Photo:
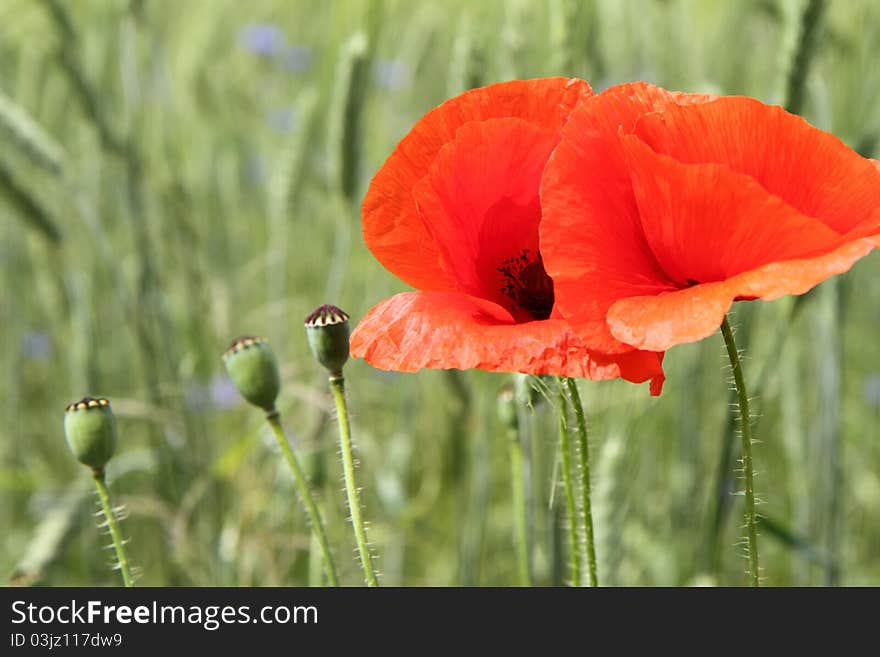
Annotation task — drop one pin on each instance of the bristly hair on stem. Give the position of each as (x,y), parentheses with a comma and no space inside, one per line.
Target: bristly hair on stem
(568,485)
(583,467)
(751,539)
(337,387)
(113,526)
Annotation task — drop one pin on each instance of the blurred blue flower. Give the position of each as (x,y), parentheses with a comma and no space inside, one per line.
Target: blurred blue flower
(224,394)
(220,393)
(36,345)
(391,74)
(254,170)
(871,390)
(281,119)
(262,39)
(297,59)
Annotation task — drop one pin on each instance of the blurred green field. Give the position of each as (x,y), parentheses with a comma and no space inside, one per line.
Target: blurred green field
(174,174)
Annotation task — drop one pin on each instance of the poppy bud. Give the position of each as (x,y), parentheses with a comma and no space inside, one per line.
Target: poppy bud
(507,407)
(252,367)
(90,429)
(327,331)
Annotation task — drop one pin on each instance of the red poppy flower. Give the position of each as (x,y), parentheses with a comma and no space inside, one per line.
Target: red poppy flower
(661,209)
(454,212)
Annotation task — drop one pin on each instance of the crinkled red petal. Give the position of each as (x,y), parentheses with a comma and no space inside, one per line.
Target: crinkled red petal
(660,321)
(415,330)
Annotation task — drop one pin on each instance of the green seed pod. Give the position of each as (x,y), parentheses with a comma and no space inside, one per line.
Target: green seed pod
(90,429)
(507,407)
(327,331)
(252,367)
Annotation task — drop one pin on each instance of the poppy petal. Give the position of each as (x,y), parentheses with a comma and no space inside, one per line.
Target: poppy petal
(480,200)
(591,237)
(869,228)
(392,227)
(780,150)
(705,222)
(415,330)
(661,321)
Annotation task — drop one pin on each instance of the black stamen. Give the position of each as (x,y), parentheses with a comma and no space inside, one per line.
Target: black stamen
(527,284)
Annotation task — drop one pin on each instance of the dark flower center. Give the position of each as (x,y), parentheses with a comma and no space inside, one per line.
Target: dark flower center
(527,284)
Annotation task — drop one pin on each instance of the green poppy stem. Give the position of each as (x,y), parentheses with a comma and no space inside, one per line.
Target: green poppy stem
(113,526)
(520,513)
(305,495)
(337,387)
(584,472)
(747,468)
(568,485)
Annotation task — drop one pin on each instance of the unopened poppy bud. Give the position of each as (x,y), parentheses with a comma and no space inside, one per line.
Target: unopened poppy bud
(90,429)
(327,331)
(507,407)
(254,371)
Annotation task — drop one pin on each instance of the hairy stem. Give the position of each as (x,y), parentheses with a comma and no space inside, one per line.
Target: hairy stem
(584,473)
(746,435)
(113,526)
(568,485)
(337,387)
(305,495)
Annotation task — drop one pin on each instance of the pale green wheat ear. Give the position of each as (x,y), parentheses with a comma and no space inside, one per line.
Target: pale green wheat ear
(327,331)
(90,429)
(252,366)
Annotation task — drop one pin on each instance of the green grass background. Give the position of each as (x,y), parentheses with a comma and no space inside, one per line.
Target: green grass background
(163,189)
